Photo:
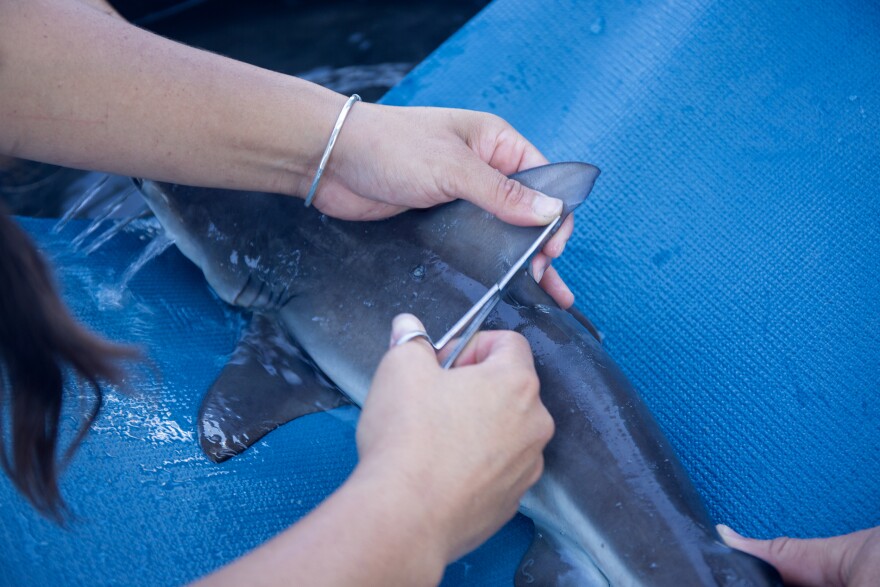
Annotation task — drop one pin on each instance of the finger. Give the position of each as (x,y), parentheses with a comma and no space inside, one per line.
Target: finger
(536,470)
(499,144)
(815,562)
(506,198)
(532,157)
(553,284)
(451,346)
(469,354)
(540,263)
(406,324)
(556,244)
(502,347)
(349,206)
(511,152)
(377,212)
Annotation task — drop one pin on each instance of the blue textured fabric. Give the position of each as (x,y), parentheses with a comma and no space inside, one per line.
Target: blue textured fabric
(730,250)
(729,253)
(151,508)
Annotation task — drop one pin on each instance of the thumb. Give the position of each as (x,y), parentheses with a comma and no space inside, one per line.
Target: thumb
(811,562)
(406,329)
(506,198)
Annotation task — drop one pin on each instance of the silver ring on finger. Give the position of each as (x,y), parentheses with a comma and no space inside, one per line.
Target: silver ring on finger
(413,335)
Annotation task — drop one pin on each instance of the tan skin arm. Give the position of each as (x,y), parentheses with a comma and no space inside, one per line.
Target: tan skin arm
(81,87)
(444,455)
(444,458)
(127,101)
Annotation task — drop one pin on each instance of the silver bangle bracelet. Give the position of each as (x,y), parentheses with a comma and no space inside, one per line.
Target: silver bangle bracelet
(336,128)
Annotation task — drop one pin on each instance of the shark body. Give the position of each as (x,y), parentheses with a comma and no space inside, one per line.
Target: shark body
(614,505)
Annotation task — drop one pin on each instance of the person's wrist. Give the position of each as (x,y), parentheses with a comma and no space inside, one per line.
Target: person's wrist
(410,510)
(298,140)
(360,141)
(328,150)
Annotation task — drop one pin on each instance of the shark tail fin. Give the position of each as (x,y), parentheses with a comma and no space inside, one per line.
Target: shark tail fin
(267,382)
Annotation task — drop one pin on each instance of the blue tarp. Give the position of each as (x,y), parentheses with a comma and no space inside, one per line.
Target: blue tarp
(729,253)
(731,249)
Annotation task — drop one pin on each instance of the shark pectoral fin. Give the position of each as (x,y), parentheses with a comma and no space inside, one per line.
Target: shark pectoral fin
(267,382)
(552,562)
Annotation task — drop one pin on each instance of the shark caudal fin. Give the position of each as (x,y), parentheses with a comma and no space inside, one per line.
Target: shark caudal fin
(267,382)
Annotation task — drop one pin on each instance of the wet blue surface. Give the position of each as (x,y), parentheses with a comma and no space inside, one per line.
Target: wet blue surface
(729,252)
(731,248)
(151,508)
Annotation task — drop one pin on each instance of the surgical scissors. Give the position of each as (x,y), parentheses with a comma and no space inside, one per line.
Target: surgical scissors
(468,325)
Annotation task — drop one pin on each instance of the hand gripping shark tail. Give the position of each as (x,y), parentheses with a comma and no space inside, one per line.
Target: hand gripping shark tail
(614,505)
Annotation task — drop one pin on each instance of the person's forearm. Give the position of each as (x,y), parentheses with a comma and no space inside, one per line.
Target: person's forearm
(370,532)
(81,88)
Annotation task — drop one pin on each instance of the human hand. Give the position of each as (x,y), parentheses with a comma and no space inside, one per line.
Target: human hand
(460,445)
(850,560)
(389,159)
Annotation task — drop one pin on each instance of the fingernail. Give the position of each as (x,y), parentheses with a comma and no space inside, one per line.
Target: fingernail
(727,533)
(404,324)
(539,266)
(546,207)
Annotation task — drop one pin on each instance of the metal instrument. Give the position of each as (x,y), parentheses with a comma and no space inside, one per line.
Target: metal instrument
(468,325)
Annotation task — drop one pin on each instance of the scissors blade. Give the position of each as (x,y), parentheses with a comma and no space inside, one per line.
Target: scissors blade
(471,330)
(468,325)
(533,248)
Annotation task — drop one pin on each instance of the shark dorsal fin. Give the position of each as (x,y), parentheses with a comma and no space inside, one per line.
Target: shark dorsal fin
(570,182)
(484,246)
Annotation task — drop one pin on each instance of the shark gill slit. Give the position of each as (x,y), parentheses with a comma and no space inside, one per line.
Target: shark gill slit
(243,289)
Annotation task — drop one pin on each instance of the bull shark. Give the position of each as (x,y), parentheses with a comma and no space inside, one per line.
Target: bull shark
(614,505)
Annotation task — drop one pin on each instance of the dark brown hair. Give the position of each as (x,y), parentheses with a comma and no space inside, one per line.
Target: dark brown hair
(41,349)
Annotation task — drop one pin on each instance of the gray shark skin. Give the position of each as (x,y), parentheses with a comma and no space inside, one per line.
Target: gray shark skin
(613,507)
